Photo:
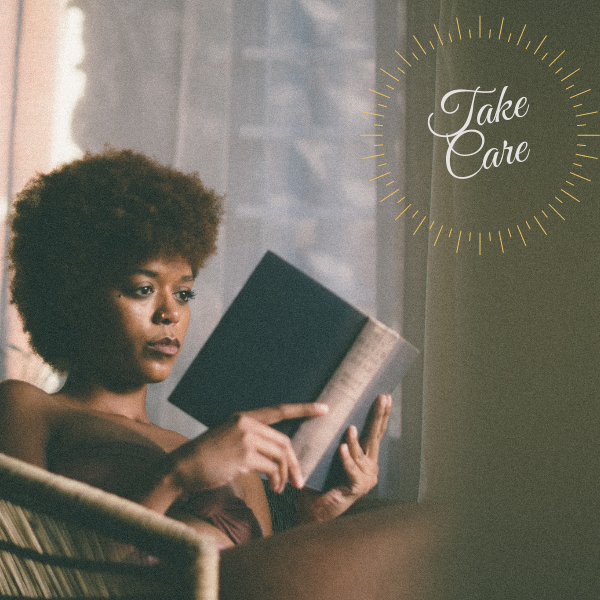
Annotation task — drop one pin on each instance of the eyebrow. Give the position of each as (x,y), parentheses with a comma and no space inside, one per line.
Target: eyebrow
(154,274)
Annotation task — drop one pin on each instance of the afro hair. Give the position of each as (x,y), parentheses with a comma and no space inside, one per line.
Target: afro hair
(78,227)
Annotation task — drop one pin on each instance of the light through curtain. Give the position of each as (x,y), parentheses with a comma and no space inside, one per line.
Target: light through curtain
(32,68)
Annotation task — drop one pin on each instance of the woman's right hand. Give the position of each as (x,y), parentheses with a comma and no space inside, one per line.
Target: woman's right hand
(244,443)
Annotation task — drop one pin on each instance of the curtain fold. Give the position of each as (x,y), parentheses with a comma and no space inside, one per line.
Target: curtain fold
(28,75)
(511,418)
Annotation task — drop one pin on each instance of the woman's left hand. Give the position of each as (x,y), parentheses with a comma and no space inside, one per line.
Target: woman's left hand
(360,460)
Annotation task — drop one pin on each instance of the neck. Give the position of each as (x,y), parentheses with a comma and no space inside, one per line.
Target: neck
(113,397)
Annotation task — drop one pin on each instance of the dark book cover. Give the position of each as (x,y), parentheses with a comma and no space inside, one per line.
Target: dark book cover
(279,342)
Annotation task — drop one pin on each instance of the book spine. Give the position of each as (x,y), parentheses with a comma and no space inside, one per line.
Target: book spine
(371,348)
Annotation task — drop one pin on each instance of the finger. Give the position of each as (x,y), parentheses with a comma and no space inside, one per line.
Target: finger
(281,412)
(256,437)
(294,470)
(354,447)
(279,447)
(386,406)
(276,447)
(353,471)
(248,422)
(258,451)
(278,456)
(388,409)
(378,425)
(265,465)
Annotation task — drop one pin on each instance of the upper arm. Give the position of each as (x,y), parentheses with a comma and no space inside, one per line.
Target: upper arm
(24,427)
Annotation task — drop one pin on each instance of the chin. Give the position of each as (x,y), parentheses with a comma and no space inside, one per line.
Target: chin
(158,374)
(139,375)
(156,378)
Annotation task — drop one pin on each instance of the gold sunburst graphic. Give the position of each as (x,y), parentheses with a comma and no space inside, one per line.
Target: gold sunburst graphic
(583,153)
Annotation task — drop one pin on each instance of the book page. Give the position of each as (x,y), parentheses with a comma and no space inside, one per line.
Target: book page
(363,361)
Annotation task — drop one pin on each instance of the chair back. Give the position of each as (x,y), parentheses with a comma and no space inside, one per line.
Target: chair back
(61,538)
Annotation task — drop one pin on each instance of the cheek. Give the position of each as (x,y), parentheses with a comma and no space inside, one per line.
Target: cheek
(127,325)
(136,318)
(184,323)
(134,332)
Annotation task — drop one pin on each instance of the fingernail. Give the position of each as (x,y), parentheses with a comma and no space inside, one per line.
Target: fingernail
(321,407)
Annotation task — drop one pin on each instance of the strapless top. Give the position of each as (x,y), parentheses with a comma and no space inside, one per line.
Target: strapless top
(112,464)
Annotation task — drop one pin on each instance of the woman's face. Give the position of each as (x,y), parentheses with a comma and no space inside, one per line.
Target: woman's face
(146,321)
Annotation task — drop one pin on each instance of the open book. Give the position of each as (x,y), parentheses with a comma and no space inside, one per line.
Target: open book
(286,338)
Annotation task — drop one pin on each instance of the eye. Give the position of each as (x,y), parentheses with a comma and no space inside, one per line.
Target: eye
(185,295)
(142,291)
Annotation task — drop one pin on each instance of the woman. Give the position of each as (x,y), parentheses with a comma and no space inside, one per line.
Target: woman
(104,252)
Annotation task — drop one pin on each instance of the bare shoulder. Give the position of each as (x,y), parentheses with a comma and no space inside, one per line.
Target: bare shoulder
(24,420)
(16,394)
(13,391)
(18,397)
(167,439)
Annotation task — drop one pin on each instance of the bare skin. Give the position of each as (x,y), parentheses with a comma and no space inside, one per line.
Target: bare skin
(397,552)
(144,322)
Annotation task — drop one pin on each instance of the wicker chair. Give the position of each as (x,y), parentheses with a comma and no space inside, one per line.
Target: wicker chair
(60,538)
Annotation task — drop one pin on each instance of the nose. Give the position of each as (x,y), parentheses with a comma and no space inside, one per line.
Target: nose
(167,312)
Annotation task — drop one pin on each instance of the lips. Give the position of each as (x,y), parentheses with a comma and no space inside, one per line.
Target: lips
(167,346)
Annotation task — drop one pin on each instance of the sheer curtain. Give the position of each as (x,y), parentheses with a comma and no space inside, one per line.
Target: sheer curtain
(511,416)
(29,73)
(267,101)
